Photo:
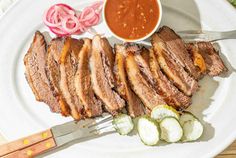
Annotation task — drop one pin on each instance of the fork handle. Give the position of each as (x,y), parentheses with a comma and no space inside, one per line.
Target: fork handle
(29,146)
(33,150)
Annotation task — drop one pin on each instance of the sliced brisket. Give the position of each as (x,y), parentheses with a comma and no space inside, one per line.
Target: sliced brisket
(108,59)
(152,73)
(53,72)
(135,106)
(77,77)
(178,51)
(168,91)
(92,105)
(35,63)
(68,68)
(102,76)
(139,84)
(173,70)
(214,64)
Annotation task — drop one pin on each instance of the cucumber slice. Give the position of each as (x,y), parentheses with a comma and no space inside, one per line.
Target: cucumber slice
(162,111)
(123,124)
(148,130)
(185,117)
(193,129)
(171,130)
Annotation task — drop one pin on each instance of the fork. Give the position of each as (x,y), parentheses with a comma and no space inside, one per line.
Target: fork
(198,35)
(55,137)
(210,36)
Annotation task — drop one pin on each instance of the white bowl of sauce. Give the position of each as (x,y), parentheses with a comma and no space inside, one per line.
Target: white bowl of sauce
(132,20)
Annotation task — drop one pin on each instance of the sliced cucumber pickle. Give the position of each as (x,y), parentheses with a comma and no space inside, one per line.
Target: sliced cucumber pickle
(171,130)
(193,128)
(162,111)
(148,130)
(123,124)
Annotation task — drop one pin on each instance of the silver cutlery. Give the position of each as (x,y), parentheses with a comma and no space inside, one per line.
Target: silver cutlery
(56,136)
(210,36)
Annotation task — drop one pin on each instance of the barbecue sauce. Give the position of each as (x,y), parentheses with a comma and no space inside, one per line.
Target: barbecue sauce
(131,19)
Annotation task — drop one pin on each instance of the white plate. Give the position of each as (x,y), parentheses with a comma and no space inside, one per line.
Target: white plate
(21,115)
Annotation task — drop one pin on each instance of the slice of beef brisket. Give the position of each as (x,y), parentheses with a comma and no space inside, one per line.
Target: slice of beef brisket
(68,68)
(173,70)
(152,73)
(92,105)
(53,72)
(138,82)
(102,76)
(178,51)
(135,106)
(168,91)
(214,64)
(35,63)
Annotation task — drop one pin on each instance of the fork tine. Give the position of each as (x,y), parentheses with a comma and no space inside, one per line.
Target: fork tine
(109,122)
(98,122)
(104,126)
(203,35)
(101,130)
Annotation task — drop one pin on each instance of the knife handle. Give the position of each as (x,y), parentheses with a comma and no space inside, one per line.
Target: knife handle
(29,146)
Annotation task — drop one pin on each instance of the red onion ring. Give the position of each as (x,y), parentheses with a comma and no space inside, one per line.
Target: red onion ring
(63,20)
(68,28)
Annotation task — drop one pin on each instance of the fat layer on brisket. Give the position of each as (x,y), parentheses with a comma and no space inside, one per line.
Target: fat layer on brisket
(214,64)
(92,105)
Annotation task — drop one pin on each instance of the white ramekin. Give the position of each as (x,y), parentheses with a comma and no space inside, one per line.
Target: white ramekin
(139,39)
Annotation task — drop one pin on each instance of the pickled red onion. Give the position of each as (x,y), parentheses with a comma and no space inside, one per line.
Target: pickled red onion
(58,31)
(63,20)
(97,6)
(53,16)
(69,28)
